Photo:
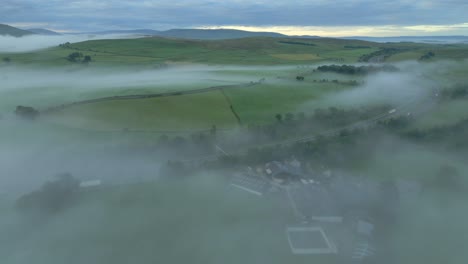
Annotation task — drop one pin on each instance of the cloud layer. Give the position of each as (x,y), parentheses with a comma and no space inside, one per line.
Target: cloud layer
(115,14)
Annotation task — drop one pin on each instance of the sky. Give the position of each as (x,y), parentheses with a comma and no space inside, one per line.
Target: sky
(293,17)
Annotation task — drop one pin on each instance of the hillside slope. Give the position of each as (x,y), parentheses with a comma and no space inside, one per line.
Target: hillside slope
(12,31)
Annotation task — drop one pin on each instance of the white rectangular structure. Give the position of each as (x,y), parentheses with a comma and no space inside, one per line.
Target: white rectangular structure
(93,183)
(309,240)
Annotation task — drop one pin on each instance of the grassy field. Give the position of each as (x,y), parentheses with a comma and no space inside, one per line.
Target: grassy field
(169,113)
(253,104)
(260,104)
(281,93)
(153,51)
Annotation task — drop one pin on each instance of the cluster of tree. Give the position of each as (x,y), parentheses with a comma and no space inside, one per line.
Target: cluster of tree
(450,136)
(381,54)
(350,69)
(196,143)
(455,92)
(6,59)
(396,123)
(350,82)
(297,43)
(79,57)
(65,45)
(344,150)
(298,124)
(427,56)
(26,112)
(356,47)
(52,197)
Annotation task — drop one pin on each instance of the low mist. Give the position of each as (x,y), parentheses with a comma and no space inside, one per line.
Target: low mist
(139,214)
(36,42)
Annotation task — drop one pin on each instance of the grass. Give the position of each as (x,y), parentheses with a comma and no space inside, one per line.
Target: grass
(298,57)
(197,111)
(152,51)
(255,104)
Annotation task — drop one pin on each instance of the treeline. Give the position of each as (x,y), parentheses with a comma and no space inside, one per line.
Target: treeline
(297,43)
(350,69)
(427,56)
(356,47)
(381,54)
(451,136)
(79,57)
(196,143)
(456,92)
(281,127)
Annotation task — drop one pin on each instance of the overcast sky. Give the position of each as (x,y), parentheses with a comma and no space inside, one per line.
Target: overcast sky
(313,17)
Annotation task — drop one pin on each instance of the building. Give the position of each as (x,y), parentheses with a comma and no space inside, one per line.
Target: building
(309,240)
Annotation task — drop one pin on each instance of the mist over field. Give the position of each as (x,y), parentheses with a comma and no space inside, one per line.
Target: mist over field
(412,82)
(37,42)
(233,132)
(140,214)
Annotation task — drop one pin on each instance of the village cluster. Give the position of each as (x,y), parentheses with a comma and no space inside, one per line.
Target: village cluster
(336,213)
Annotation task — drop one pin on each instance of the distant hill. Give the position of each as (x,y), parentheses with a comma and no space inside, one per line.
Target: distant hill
(417,39)
(12,31)
(132,32)
(42,31)
(207,34)
(201,34)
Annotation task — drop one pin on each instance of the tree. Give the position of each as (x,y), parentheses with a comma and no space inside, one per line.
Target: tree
(52,197)
(6,59)
(87,59)
(279,117)
(26,112)
(75,56)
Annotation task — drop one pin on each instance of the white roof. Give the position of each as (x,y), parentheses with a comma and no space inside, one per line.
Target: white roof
(91,183)
(309,240)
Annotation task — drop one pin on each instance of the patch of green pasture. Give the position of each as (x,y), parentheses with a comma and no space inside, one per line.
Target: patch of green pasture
(247,51)
(196,111)
(51,96)
(260,104)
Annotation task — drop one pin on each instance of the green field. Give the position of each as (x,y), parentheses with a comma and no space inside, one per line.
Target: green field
(153,51)
(253,104)
(260,104)
(197,111)
(277,60)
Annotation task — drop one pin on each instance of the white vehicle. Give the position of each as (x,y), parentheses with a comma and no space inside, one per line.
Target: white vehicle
(392,111)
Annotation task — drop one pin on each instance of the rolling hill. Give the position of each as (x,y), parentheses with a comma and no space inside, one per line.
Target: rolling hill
(215,34)
(151,51)
(12,31)
(200,34)
(42,31)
